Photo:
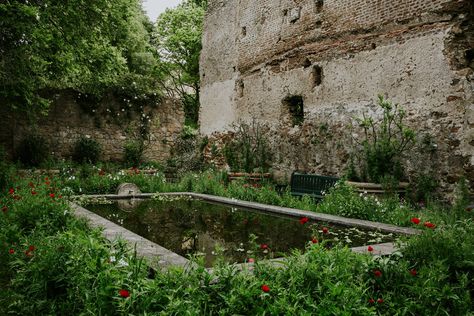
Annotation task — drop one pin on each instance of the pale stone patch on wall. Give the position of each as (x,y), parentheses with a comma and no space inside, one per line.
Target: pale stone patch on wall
(219,113)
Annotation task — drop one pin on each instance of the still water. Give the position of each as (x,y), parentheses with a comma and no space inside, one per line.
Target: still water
(194,227)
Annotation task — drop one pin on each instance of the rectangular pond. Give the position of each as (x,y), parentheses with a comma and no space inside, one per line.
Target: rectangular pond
(189,226)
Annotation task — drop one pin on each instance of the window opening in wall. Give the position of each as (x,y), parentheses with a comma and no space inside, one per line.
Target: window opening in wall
(319,5)
(470,55)
(240,88)
(295,108)
(317,75)
(306,63)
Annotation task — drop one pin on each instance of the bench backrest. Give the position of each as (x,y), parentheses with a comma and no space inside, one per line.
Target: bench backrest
(311,184)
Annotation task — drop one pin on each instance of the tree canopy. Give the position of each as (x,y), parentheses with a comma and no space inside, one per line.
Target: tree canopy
(177,38)
(89,46)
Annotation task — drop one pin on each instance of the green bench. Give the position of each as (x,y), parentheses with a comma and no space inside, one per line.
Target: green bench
(312,185)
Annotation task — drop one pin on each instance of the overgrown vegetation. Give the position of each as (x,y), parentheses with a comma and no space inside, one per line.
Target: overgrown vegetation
(249,149)
(52,263)
(382,146)
(33,150)
(86,150)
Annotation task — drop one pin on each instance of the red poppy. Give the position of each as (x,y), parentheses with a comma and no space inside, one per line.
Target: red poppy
(11,251)
(377,273)
(4,209)
(370,249)
(429,225)
(325,230)
(413,272)
(304,220)
(380,300)
(31,185)
(11,191)
(251,260)
(371,301)
(33,192)
(46,179)
(47,183)
(415,220)
(314,241)
(265,288)
(31,248)
(264,246)
(52,195)
(124,293)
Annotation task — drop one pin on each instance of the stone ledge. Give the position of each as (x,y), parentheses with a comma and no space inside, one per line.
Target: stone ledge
(158,257)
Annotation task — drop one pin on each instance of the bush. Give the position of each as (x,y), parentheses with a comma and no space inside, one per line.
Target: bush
(86,150)
(249,150)
(5,170)
(384,143)
(33,150)
(133,153)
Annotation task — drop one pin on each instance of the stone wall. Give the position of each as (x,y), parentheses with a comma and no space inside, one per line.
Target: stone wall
(112,124)
(338,55)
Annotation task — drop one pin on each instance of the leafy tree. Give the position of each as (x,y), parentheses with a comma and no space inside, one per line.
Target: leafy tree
(90,46)
(177,39)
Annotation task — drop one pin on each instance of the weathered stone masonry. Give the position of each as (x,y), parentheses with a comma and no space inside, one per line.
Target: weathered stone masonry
(112,125)
(338,55)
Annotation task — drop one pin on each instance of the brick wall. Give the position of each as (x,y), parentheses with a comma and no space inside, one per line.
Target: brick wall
(414,51)
(67,122)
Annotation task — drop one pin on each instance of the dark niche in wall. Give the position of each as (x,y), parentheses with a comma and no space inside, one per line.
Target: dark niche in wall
(319,5)
(317,75)
(293,110)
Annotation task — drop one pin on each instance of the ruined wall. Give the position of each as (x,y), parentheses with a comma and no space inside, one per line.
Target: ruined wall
(112,124)
(338,55)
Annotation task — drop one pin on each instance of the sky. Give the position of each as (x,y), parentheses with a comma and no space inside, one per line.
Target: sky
(153,8)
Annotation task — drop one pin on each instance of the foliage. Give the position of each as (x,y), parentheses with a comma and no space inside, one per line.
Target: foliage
(52,263)
(88,46)
(133,152)
(249,149)
(177,38)
(86,150)
(384,143)
(5,170)
(33,150)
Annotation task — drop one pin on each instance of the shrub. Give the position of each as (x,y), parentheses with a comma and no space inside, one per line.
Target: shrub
(249,149)
(86,150)
(32,150)
(384,143)
(5,170)
(133,153)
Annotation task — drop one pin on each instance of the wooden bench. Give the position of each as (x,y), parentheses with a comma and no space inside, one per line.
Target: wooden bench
(312,185)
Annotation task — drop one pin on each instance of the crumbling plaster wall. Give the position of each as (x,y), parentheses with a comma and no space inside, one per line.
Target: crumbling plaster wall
(418,53)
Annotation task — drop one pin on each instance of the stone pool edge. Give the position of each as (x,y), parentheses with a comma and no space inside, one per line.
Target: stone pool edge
(156,255)
(161,257)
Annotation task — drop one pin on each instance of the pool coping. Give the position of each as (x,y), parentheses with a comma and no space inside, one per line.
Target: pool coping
(160,257)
